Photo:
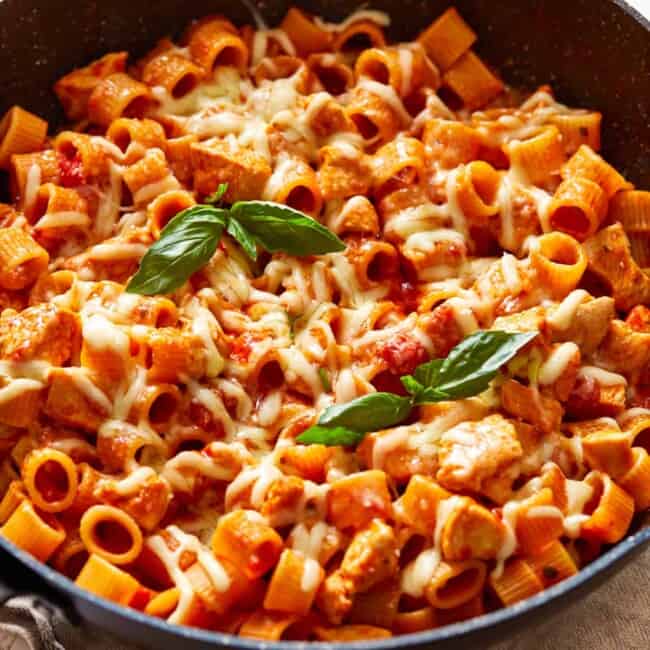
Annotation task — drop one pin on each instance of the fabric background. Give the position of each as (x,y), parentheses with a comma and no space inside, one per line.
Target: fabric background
(615,616)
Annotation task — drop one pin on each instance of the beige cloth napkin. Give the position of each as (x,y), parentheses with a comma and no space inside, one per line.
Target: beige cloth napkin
(615,616)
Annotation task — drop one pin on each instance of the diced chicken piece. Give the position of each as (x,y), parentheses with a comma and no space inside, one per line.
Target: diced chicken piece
(589,324)
(527,403)
(471,531)
(44,332)
(370,558)
(472,454)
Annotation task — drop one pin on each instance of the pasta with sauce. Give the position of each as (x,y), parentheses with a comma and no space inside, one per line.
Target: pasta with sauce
(150,442)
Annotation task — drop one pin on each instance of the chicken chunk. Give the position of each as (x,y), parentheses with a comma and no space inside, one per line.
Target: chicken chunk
(471,454)
(43,332)
(370,559)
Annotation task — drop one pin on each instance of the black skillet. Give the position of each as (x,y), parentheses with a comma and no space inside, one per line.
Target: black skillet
(595,53)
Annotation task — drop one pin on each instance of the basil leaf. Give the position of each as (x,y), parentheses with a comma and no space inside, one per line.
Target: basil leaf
(427,373)
(331,437)
(368,413)
(475,361)
(325,379)
(279,228)
(215,197)
(187,242)
(245,239)
(412,385)
(430,396)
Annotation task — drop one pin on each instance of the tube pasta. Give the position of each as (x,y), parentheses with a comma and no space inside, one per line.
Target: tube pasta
(373,118)
(294,584)
(306,36)
(247,542)
(210,46)
(102,578)
(50,478)
(176,74)
(477,185)
(636,481)
(559,261)
(299,187)
(134,137)
(447,38)
(20,132)
(33,532)
(75,88)
(118,95)
(110,534)
(472,81)
(586,163)
(552,564)
(610,510)
(578,208)
(577,129)
(516,582)
(540,157)
(455,583)
(21,258)
(358,31)
(13,497)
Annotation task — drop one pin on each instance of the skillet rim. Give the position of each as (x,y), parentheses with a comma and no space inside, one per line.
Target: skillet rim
(455,631)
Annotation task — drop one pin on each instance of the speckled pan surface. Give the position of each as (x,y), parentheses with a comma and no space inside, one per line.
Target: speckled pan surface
(595,53)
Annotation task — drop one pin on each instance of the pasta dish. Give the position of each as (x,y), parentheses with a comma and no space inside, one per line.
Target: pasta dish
(309,335)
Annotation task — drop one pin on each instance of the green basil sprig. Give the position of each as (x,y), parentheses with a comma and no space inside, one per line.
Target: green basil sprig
(468,370)
(190,239)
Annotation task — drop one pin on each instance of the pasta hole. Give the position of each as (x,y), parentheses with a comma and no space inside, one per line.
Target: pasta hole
(270,377)
(365,126)
(40,205)
(168,210)
(67,150)
(137,107)
(126,198)
(378,71)
(229,55)
(642,439)
(51,481)
(162,408)
(122,139)
(416,102)
(411,549)
(382,267)
(593,502)
(571,220)
(334,81)
(263,556)
(165,318)
(565,254)
(190,444)
(460,583)
(358,41)
(148,357)
(301,198)
(450,98)
(112,536)
(186,84)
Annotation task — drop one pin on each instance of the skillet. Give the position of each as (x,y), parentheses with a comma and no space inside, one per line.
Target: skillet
(595,53)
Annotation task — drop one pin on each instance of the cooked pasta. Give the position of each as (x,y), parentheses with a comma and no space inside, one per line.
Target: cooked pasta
(180,436)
